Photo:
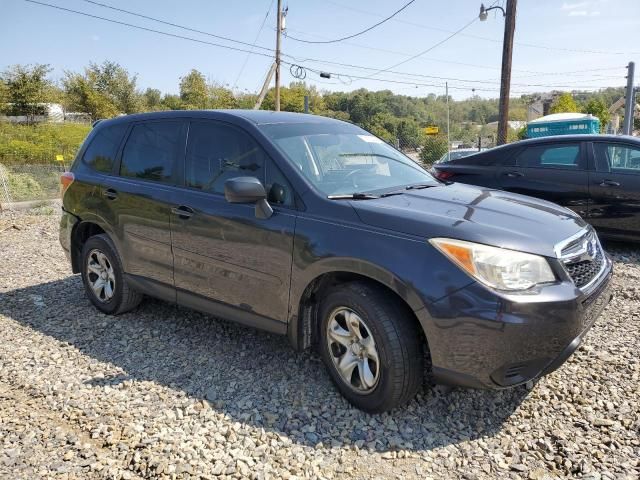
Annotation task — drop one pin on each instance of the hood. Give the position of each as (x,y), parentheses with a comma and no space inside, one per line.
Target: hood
(475,214)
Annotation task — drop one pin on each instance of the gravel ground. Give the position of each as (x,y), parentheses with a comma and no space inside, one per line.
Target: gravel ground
(164,392)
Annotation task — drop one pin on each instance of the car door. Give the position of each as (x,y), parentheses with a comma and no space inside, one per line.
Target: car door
(223,252)
(554,171)
(137,200)
(615,189)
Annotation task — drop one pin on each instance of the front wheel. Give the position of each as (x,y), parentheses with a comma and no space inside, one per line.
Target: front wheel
(371,346)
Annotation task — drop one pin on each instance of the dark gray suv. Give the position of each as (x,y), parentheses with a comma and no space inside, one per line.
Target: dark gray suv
(315,229)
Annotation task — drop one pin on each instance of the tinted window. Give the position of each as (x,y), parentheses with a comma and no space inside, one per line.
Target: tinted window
(151,151)
(103,148)
(218,152)
(617,158)
(566,155)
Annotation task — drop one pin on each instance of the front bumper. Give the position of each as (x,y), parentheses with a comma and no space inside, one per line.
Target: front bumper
(483,339)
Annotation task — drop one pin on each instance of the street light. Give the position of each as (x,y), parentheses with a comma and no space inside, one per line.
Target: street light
(484,12)
(507,51)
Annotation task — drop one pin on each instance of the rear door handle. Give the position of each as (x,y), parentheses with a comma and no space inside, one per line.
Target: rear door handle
(514,174)
(183,211)
(609,183)
(110,193)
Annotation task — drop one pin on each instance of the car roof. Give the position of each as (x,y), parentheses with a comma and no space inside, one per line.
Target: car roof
(257,117)
(563,138)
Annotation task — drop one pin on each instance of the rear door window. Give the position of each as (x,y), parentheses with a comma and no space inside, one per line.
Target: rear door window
(152,151)
(562,156)
(617,158)
(102,151)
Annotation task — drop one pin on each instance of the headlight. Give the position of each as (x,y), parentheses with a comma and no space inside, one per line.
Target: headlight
(498,268)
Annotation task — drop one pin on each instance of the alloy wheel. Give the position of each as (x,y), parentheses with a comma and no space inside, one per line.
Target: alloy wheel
(353,350)
(100,275)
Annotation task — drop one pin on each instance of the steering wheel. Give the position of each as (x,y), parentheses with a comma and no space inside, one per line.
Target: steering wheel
(353,173)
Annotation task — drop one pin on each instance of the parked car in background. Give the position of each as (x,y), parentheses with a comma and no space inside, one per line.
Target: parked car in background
(313,228)
(597,176)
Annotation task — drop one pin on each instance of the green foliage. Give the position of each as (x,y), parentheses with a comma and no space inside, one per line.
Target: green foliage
(25,87)
(598,108)
(434,147)
(152,99)
(522,133)
(103,91)
(194,91)
(40,143)
(171,102)
(564,103)
(220,97)
(23,186)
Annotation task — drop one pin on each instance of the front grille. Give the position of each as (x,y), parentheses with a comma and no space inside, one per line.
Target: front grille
(583,272)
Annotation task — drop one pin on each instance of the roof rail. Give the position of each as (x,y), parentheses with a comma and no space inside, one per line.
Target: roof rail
(93,125)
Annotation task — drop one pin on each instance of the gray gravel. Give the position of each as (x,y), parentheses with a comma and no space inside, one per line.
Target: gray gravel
(164,392)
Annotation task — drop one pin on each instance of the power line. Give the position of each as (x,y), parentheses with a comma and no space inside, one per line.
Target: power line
(228,47)
(478,37)
(355,34)
(167,34)
(408,74)
(486,67)
(244,64)
(110,7)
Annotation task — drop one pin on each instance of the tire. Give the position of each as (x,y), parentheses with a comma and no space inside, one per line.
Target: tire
(397,375)
(115,296)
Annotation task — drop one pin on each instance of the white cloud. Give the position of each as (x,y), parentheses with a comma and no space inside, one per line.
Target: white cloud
(582,9)
(573,6)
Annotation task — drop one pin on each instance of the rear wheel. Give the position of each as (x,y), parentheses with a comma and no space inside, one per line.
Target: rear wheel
(371,346)
(103,277)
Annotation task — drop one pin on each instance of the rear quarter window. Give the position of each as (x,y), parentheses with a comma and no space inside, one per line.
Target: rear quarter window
(101,152)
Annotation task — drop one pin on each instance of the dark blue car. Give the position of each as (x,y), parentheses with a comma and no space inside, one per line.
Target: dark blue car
(315,229)
(597,176)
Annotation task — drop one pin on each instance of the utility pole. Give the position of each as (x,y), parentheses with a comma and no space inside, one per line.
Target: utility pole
(446,92)
(278,35)
(505,82)
(630,101)
(265,86)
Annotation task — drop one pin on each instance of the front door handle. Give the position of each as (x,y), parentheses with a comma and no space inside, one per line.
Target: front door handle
(183,212)
(609,183)
(110,193)
(514,174)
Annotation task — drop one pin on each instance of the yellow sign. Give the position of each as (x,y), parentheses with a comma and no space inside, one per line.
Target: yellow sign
(433,130)
(59,158)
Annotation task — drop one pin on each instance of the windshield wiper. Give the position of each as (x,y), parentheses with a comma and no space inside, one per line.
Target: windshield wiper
(419,186)
(353,196)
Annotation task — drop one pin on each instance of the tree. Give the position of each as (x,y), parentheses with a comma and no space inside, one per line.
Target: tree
(152,99)
(564,103)
(172,102)
(103,91)
(598,108)
(82,96)
(194,91)
(26,88)
(434,147)
(221,97)
(114,82)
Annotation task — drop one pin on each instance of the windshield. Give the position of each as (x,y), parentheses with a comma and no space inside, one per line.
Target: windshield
(341,159)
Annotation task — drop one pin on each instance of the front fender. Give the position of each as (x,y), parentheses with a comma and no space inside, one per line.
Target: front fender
(407,265)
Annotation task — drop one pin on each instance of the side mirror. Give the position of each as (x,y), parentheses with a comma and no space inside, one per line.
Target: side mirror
(248,190)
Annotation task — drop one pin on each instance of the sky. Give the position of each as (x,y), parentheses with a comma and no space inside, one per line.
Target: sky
(559,45)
